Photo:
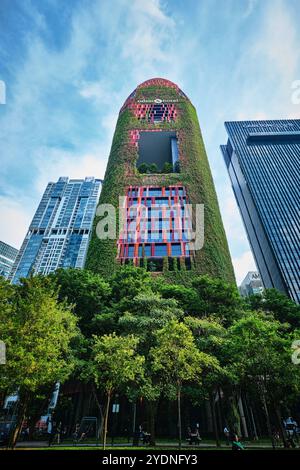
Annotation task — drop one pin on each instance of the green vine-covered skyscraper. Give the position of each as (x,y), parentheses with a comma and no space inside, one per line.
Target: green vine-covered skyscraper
(159,166)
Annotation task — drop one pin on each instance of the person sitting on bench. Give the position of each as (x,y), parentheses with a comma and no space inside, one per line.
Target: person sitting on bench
(193,436)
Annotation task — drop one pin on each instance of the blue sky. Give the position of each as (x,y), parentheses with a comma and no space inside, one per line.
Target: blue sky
(68,66)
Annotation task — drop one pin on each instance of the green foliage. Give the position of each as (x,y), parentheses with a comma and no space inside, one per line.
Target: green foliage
(214,258)
(143,168)
(273,301)
(86,291)
(214,296)
(176,356)
(186,297)
(38,332)
(258,354)
(149,313)
(115,361)
(153,168)
(151,267)
(127,283)
(176,359)
(167,168)
(115,365)
(152,337)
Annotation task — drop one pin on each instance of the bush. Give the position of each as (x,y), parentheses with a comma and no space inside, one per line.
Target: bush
(153,168)
(168,168)
(143,168)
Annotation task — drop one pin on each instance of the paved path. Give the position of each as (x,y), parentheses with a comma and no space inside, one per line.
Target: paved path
(39,444)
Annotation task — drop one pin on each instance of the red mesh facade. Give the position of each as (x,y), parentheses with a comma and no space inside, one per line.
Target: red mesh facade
(153,82)
(157,224)
(160,82)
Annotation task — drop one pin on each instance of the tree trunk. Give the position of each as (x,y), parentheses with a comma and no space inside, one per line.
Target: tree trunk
(281,429)
(106,419)
(20,420)
(153,409)
(35,416)
(242,416)
(267,418)
(100,429)
(215,425)
(179,415)
(255,434)
(220,410)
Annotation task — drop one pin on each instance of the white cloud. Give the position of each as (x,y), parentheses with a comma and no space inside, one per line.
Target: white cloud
(250,7)
(92,90)
(232,221)
(54,163)
(242,265)
(148,40)
(278,41)
(15,216)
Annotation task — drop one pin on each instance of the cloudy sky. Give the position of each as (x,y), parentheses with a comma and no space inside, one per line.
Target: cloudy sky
(69,65)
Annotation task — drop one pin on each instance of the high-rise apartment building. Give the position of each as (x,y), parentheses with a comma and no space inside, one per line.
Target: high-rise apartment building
(8,255)
(158,165)
(263,161)
(60,230)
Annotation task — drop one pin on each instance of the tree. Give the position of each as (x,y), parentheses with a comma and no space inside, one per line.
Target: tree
(38,332)
(126,284)
(217,297)
(143,168)
(153,168)
(258,350)
(186,297)
(6,311)
(88,292)
(167,168)
(149,313)
(210,336)
(115,364)
(177,360)
(277,303)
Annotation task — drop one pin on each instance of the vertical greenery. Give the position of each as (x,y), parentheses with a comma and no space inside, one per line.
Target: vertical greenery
(214,258)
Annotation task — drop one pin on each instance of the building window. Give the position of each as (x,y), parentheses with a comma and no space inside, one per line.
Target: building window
(161,250)
(176,249)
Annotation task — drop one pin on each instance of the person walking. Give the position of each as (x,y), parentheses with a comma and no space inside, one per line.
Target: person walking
(227,435)
(51,433)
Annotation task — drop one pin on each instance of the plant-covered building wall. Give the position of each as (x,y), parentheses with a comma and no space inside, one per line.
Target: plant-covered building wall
(158,161)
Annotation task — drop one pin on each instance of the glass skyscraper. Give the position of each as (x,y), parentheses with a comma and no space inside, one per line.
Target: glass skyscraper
(263,161)
(59,233)
(251,285)
(8,255)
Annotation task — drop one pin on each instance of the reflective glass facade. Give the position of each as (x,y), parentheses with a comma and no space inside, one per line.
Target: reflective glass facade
(263,161)
(251,285)
(8,255)
(59,233)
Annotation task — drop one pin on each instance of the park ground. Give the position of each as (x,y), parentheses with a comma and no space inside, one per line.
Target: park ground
(161,444)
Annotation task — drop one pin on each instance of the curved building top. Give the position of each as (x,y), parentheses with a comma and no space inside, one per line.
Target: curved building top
(157,84)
